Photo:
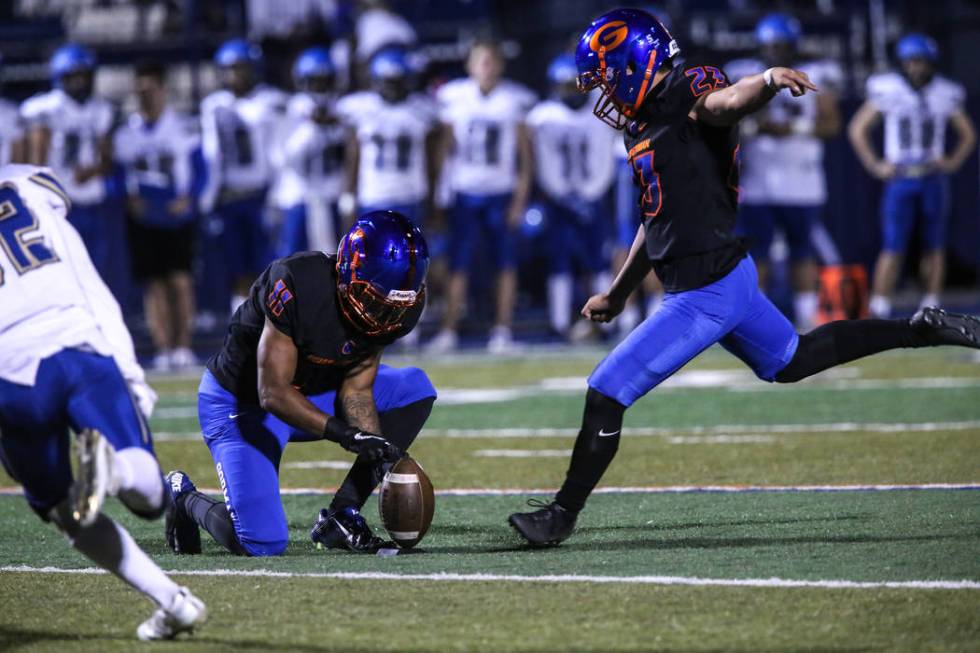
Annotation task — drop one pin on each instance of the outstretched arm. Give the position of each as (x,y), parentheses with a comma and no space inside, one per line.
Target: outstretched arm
(728,105)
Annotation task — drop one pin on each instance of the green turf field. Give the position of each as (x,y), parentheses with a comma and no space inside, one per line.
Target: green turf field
(813,568)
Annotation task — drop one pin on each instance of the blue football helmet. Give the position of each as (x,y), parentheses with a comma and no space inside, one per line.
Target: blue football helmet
(777,28)
(70,58)
(917,46)
(238,51)
(381,268)
(620,53)
(313,62)
(389,63)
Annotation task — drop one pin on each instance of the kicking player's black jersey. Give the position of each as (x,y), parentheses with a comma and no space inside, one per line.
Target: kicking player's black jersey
(298,294)
(687,172)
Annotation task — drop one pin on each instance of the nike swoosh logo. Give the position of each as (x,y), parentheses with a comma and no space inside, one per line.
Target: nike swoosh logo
(233,415)
(603,434)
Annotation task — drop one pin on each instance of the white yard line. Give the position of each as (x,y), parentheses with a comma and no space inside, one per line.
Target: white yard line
(570,578)
(522,453)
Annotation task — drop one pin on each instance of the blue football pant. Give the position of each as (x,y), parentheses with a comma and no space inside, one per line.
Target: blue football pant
(758,222)
(73,390)
(481,221)
(903,200)
(246,444)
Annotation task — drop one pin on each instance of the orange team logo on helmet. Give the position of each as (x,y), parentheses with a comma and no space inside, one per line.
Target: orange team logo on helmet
(610,36)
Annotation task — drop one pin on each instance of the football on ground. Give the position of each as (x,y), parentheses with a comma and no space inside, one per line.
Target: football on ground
(406,502)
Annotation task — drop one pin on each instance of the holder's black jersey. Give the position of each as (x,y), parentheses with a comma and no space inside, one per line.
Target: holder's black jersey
(687,172)
(298,294)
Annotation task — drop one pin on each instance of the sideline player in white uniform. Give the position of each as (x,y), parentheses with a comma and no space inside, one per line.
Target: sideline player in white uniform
(67,362)
(239,125)
(916,104)
(12,144)
(782,180)
(155,146)
(490,172)
(311,157)
(69,129)
(575,165)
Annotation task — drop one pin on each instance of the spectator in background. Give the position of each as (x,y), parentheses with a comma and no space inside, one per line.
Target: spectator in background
(916,104)
(392,152)
(782,177)
(490,172)
(155,146)
(312,158)
(69,129)
(239,125)
(575,161)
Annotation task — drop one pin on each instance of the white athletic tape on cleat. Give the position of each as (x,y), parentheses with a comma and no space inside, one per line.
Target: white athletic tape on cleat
(403,535)
(401,478)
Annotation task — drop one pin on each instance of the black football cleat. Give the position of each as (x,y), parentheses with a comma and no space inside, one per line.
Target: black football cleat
(346,529)
(549,526)
(182,533)
(943,328)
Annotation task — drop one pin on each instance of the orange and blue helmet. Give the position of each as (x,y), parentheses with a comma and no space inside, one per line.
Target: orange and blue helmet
(917,46)
(381,268)
(620,53)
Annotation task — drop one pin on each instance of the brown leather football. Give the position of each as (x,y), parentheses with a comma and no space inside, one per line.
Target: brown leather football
(406,502)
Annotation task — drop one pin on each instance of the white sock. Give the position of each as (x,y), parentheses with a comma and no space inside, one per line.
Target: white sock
(236,301)
(880,306)
(805,307)
(108,545)
(560,301)
(931,299)
(136,475)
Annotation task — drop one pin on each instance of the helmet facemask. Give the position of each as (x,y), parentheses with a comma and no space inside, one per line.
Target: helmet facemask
(373,313)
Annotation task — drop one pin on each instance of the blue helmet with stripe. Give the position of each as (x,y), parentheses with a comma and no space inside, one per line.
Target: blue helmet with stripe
(70,58)
(238,51)
(917,46)
(620,53)
(381,266)
(389,63)
(777,28)
(314,62)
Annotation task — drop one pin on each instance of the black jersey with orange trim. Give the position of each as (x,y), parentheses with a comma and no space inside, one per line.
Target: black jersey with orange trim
(298,294)
(687,172)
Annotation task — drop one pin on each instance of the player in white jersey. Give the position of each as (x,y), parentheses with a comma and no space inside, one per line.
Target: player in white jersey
(311,156)
(155,146)
(67,364)
(239,127)
(782,182)
(490,173)
(575,166)
(391,166)
(916,104)
(69,129)
(11,134)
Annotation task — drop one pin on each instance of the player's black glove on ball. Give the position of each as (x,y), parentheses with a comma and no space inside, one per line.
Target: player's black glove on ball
(372,447)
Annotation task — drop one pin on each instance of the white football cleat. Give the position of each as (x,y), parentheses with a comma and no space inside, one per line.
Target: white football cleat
(501,341)
(444,342)
(94,478)
(185,613)
(182,358)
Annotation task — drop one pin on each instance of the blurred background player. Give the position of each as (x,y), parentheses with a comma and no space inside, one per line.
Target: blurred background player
(239,125)
(312,158)
(490,172)
(302,363)
(67,364)
(69,129)
(12,143)
(155,145)
(916,104)
(575,168)
(782,176)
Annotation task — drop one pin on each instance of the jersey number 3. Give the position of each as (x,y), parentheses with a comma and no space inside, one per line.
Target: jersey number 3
(17,224)
(649,182)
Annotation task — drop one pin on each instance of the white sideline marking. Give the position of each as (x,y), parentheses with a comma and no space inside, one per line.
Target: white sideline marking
(655,431)
(722,439)
(319,464)
(515,578)
(522,453)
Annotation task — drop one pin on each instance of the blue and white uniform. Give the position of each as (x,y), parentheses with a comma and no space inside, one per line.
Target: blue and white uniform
(66,358)
(392,171)
(483,170)
(11,129)
(311,156)
(782,181)
(915,138)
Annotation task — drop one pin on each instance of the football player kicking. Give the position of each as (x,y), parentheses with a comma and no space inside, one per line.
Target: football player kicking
(680,119)
(301,362)
(67,363)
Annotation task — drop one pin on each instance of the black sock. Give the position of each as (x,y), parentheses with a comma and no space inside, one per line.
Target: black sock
(400,426)
(212,516)
(595,448)
(846,340)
